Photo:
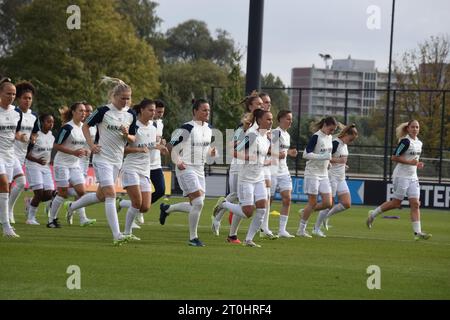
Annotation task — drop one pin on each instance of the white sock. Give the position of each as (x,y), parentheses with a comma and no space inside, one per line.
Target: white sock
(4,217)
(82,213)
(283,223)
(111,215)
(71,192)
(32,212)
(194,217)
(336,209)
(235,208)
(265,224)
(256,223)
(235,222)
(84,201)
(322,216)
(181,207)
(376,212)
(15,193)
(302,226)
(57,202)
(232,197)
(417,227)
(131,215)
(125,204)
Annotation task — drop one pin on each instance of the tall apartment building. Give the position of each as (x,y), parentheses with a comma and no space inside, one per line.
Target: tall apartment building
(354,75)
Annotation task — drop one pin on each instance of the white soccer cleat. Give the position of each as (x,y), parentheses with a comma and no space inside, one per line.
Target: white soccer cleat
(140,218)
(218,206)
(250,243)
(215,227)
(9,233)
(285,234)
(135,226)
(300,212)
(132,237)
(267,235)
(422,236)
(318,233)
(370,220)
(87,222)
(32,222)
(303,234)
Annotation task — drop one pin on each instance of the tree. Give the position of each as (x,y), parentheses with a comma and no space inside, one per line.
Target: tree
(279,97)
(8,23)
(191,40)
(66,65)
(425,68)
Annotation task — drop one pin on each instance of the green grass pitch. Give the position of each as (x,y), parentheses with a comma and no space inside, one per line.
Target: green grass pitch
(163,266)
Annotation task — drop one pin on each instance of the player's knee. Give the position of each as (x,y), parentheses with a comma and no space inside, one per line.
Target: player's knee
(346,205)
(198,203)
(20,182)
(248,211)
(144,208)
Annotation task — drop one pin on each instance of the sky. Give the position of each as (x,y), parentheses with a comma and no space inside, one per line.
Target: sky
(296,31)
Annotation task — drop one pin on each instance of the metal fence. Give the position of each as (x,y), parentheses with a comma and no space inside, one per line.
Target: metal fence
(370,156)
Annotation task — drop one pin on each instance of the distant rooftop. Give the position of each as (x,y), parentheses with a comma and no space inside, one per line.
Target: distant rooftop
(350,64)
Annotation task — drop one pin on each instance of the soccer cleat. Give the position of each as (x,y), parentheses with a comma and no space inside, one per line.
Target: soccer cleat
(32,222)
(267,235)
(422,236)
(121,240)
(215,226)
(370,220)
(140,218)
(196,243)
(233,240)
(303,234)
(69,212)
(54,224)
(135,226)
(163,213)
(285,234)
(250,243)
(11,218)
(218,206)
(325,224)
(88,222)
(118,207)
(9,233)
(318,233)
(132,237)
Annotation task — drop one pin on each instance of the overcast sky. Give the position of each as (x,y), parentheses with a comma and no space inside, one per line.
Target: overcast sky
(296,31)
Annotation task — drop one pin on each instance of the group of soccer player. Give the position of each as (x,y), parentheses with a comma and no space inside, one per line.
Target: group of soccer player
(128,140)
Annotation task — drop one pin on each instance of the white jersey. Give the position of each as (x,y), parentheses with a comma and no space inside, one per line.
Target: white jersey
(140,162)
(411,149)
(42,148)
(340,150)
(155,154)
(192,142)
(254,144)
(29,125)
(10,123)
(93,134)
(109,120)
(70,136)
(318,153)
(281,139)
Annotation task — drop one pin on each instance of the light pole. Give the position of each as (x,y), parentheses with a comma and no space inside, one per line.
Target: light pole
(325,57)
(388,98)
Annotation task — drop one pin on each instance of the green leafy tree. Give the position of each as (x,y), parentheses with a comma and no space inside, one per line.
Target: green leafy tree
(66,65)
(8,23)
(279,97)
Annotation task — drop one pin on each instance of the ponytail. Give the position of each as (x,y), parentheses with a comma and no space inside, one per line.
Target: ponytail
(328,121)
(348,130)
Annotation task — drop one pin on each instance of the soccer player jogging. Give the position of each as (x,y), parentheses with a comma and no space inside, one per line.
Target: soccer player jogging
(281,179)
(191,149)
(252,190)
(318,154)
(70,146)
(252,102)
(406,182)
(336,174)
(136,166)
(29,128)
(10,122)
(116,126)
(39,174)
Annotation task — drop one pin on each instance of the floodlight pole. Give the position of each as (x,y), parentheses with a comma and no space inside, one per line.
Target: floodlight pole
(254,46)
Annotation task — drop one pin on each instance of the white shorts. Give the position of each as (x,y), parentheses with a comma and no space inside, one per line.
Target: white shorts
(338,186)
(233,182)
(18,168)
(250,193)
(406,187)
(314,186)
(281,183)
(267,173)
(40,178)
(135,179)
(6,170)
(84,166)
(106,173)
(65,176)
(190,182)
